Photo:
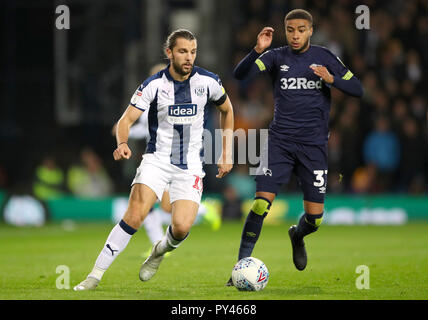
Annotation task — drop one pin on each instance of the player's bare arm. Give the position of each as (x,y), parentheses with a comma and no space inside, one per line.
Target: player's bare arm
(264,39)
(124,124)
(225,162)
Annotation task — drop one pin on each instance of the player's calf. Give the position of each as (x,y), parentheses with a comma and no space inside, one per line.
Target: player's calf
(160,248)
(253,226)
(308,224)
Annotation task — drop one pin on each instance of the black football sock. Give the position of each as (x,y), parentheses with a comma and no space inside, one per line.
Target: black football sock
(308,223)
(250,234)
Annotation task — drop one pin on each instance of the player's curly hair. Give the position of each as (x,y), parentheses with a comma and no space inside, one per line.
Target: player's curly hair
(299,14)
(179,33)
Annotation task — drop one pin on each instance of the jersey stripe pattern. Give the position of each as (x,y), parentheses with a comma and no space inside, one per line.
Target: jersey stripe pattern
(177,115)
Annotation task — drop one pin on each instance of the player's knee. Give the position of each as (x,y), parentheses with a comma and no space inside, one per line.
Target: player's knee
(261,206)
(314,220)
(136,212)
(180,229)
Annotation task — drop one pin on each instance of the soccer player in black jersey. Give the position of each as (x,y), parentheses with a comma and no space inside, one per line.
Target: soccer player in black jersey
(302,75)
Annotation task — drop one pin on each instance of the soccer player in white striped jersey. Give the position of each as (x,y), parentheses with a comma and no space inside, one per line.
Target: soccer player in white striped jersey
(176,99)
(157,217)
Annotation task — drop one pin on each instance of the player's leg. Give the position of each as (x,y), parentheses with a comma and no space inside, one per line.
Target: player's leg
(274,170)
(311,220)
(154,221)
(183,215)
(254,222)
(308,223)
(141,200)
(153,226)
(166,201)
(206,212)
(185,193)
(312,174)
(253,225)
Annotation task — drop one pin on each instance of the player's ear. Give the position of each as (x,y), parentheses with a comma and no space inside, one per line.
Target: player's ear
(168,53)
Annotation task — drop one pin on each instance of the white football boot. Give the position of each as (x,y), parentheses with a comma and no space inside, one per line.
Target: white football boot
(88,284)
(151,265)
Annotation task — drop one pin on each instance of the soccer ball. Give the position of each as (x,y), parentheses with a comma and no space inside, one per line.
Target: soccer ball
(250,274)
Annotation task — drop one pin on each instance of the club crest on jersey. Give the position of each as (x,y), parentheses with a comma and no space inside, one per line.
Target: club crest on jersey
(200,91)
(182,113)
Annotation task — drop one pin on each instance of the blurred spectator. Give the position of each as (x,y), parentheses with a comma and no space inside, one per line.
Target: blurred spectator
(414,69)
(49,182)
(413,157)
(363,180)
(382,149)
(89,178)
(399,112)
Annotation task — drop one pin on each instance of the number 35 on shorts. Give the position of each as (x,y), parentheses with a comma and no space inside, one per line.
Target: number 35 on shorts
(320,180)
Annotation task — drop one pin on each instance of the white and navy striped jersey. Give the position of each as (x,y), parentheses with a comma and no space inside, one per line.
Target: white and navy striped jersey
(177,114)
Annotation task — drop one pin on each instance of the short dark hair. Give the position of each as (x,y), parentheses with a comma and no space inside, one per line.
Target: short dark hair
(180,33)
(299,14)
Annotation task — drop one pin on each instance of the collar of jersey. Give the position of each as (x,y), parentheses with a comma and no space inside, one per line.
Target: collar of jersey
(169,77)
(301,54)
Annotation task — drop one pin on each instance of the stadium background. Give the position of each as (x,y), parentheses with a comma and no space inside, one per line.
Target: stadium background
(62,91)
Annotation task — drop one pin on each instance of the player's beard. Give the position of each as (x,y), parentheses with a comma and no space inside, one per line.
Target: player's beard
(179,69)
(305,46)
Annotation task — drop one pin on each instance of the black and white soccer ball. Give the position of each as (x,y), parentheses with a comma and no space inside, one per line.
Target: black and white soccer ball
(250,274)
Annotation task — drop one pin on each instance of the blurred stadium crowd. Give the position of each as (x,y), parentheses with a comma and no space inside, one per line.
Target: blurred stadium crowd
(377,144)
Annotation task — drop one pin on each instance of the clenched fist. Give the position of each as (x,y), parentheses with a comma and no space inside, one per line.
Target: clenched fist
(122,152)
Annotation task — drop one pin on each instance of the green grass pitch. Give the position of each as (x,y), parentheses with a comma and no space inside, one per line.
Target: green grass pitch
(397,258)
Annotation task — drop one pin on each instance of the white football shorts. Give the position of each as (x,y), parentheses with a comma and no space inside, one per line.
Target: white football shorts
(160,176)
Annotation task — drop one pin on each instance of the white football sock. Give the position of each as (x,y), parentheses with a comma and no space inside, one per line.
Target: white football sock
(116,242)
(153,225)
(168,242)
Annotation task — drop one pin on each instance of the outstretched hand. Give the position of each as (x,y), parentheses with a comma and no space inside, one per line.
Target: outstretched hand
(264,39)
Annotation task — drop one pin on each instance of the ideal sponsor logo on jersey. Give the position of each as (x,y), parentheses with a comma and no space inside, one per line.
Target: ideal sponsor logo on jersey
(182,110)
(182,113)
(300,83)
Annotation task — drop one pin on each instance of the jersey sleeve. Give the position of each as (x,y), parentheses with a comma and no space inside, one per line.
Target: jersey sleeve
(337,67)
(266,61)
(142,97)
(217,94)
